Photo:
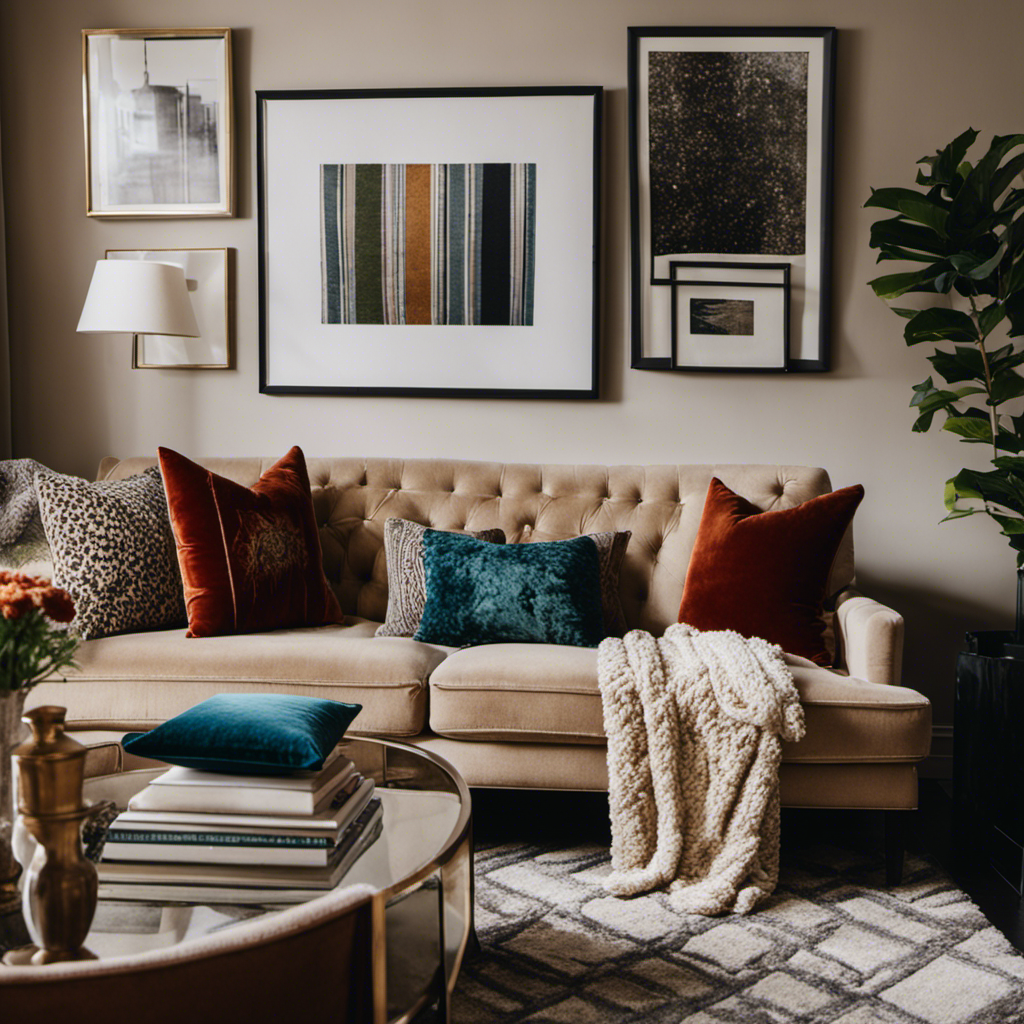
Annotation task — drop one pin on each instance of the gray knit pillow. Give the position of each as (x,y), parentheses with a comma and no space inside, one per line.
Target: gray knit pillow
(407,581)
(113,551)
(611,547)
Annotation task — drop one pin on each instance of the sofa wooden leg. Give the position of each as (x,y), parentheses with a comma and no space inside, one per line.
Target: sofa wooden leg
(895,844)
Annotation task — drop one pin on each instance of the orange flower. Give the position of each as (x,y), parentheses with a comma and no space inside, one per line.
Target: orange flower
(20,593)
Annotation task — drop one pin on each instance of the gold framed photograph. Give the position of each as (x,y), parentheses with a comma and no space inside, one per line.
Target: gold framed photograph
(208,277)
(159,134)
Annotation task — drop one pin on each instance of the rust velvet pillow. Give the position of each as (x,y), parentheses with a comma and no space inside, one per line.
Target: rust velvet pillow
(766,574)
(250,557)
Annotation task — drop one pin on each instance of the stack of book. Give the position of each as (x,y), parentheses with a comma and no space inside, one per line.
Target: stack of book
(198,836)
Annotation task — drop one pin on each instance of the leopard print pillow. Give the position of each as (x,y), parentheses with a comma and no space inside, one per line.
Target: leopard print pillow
(113,551)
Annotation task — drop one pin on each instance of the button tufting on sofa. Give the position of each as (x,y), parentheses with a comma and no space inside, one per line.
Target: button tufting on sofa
(520,715)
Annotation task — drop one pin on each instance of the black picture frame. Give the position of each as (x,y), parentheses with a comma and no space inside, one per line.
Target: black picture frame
(729,283)
(703,236)
(548,364)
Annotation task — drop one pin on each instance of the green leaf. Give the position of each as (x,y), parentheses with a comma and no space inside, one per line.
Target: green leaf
(1014,306)
(977,196)
(940,324)
(963,363)
(892,286)
(890,198)
(907,314)
(944,164)
(986,172)
(926,387)
(969,428)
(900,232)
(927,213)
(888,251)
(1008,384)
(960,486)
(977,267)
(1003,179)
(982,270)
(998,487)
(929,400)
(1004,358)
(1013,281)
(1014,235)
(1008,441)
(1011,525)
(990,318)
(960,513)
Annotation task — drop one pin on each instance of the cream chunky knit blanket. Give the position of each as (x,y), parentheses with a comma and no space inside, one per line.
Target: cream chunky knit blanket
(695,723)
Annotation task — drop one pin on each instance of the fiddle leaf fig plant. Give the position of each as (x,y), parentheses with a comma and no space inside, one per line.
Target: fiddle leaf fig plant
(964,233)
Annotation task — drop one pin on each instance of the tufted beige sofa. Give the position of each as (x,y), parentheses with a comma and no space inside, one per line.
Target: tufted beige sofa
(518,715)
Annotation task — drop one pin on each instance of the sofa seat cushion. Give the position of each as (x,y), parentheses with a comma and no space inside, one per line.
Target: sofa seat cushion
(539,693)
(138,680)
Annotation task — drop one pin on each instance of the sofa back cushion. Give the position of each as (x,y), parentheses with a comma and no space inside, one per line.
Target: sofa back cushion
(661,505)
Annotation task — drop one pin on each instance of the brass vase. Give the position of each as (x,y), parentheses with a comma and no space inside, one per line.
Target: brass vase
(12,706)
(59,891)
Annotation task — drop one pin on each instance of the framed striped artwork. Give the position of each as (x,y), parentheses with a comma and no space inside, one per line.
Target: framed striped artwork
(429,242)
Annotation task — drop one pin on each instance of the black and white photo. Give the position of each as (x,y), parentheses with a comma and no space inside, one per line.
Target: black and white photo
(721,316)
(158,112)
(729,316)
(730,161)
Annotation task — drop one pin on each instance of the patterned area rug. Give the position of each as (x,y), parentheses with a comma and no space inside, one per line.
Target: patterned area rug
(832,946)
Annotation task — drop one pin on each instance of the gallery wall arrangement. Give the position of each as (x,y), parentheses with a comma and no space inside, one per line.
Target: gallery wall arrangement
(730,161)
(445,242)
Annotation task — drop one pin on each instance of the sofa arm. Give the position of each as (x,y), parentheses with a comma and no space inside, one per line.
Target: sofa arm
(870,638)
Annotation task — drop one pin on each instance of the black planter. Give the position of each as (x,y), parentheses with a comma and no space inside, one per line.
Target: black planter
(988,753)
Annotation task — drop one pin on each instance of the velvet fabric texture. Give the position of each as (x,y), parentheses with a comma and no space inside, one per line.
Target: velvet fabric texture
(479,593)
(765,574)
(250,557)
(249,734)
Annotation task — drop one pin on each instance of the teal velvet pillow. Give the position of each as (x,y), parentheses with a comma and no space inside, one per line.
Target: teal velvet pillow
(479,593)
(249,734)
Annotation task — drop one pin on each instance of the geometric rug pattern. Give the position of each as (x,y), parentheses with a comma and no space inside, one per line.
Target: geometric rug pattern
(831,946)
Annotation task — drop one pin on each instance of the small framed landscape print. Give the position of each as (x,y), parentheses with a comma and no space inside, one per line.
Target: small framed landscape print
(429,242)
(730,161)
(208,279)
(730,316)
(158,122)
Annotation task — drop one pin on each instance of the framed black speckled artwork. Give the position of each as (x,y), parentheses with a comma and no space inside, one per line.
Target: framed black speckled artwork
(730,161)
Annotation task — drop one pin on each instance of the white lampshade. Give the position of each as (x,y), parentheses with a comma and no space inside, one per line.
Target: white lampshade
(138,297)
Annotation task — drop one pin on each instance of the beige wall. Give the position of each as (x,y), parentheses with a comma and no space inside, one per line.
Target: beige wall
(911,75)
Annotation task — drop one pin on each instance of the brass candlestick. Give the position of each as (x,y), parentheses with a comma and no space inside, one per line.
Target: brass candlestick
(59,895)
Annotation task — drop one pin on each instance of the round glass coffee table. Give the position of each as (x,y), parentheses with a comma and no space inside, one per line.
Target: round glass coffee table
(421,866)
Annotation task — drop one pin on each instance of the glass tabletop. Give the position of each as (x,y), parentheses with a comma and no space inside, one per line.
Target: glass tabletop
(420,865)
